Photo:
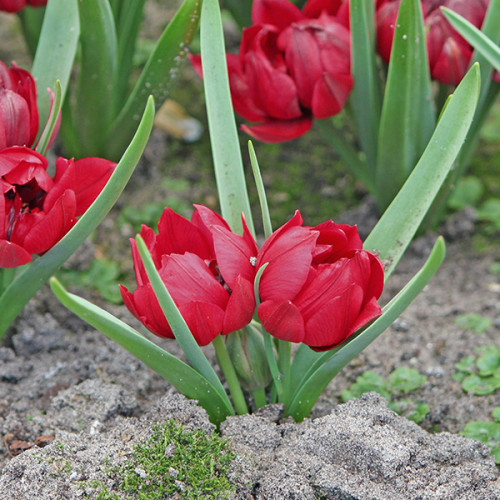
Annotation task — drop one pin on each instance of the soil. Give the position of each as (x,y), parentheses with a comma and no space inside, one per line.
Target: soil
(64,384)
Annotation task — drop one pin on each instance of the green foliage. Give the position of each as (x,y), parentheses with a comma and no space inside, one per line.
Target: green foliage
(489,211)
(174,461)
(467,193)
(480,375)
(487,432)
(495,268)
(102,276)
(402,380)
(474,322)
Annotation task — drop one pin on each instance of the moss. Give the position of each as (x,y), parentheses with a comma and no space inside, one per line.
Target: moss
(189,464)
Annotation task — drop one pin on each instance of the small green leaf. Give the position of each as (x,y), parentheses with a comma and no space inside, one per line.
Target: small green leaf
(466,365)
(490,212)
(481,385)
(489,362)
(484,431)
(413,411)
(404,380)
(47,132)
(369,381)
(496,414)
(475,322)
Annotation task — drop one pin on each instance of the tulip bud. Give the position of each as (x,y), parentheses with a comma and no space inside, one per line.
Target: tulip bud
(248,354)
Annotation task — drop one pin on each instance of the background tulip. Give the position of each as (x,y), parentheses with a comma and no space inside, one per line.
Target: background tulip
(332,290)
(36,211)
(449,54)
(17,5)
(207,270)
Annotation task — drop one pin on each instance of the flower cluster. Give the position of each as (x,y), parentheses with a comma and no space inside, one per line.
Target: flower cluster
(36,210)
(449,54)
(17,5)
(319,285)
(293,66)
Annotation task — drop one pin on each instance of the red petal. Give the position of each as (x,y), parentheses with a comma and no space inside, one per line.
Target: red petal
(14,120)
(274,131)
(282,320)
(313,8)
(330,94)
(279,13)
(204,320)
(12,255)
(50,228)
(370,311)
(240,306)
(92,174)
(177,235)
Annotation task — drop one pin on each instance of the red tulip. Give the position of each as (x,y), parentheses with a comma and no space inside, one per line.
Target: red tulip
(319,286)
(36,211)
(17,5)
(207,269)
(449,54)
(293,66)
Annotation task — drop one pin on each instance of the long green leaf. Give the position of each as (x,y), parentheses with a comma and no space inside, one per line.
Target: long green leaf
(306,394)
(181,331)
(31,24)
(94,90)
(157,76)
(184,378)
(407,119)
(26,284)
(56,51)
(241,10)
(398,225)
(226,152)
(365,97)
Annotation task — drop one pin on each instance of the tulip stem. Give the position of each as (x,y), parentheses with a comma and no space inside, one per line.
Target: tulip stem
(7,275)
(259,397)
(230,374)
(284,353)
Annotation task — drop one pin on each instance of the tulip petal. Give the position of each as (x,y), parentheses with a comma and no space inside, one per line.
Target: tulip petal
(275,131)
(279,13)
(240,306)
(14,120)
(178,235)
(50,227)
(233,256)
(282,320)
(332,324)
(330,94)
(370,311)
(12,255)
(203,319)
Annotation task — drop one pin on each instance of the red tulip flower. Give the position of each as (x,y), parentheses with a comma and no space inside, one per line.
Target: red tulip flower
(293,66)
(449,54)
(319,286)
(17,5)
(18,110)
(36,211)
(207,269)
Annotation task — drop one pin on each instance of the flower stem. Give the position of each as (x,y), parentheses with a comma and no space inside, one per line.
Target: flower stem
(7,275)
(230,374)
(284,354)
(259,396)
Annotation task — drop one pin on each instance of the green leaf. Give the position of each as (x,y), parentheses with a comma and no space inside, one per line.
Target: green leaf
(484,431)
(26,284)
(490,211)
(46,135)
(466,364)
(496,414)
(369,381)
(56,51)
(31,24)
(184,378)
(241,10)
(226,152)
(481,385)
(475,322)
(94,90)
(404,380)
(407,119)
(489,362)
(158,75)
(177,323)
(478,40)
(365,96)
(397,226)
(330,363)
(467,193)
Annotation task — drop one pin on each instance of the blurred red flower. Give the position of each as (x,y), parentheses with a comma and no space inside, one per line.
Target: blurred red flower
(449,54)
(17,5)
(36,211)
(293,66)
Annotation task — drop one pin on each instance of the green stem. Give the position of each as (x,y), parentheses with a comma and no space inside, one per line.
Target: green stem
(284,355)
(7,275)
(259,396)
(230,374)
(348,154)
